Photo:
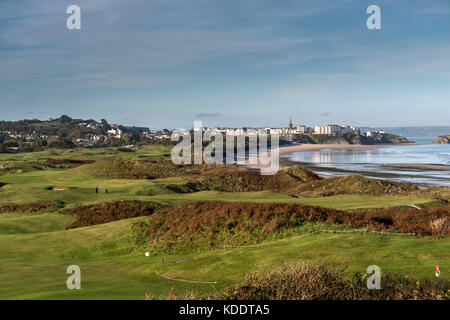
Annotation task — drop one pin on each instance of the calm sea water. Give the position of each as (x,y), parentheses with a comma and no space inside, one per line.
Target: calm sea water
(376,162)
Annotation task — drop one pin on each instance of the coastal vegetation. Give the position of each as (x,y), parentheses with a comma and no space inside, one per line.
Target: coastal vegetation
(319,282)
(206,225)
(89,215)
(349,138)
(102,209)
(353,184)
(66,133)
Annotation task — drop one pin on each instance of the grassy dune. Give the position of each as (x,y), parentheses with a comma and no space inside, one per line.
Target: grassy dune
(149,152)
(33,186)
(36,247)
(15,223)
(33,265)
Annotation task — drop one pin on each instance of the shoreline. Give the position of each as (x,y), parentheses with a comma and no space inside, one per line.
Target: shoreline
(286,150)
(417,171)
(313,147)
(423,166)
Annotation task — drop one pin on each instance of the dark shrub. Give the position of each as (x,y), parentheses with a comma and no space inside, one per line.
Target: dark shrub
(105,212)
(305,282)
(208,224)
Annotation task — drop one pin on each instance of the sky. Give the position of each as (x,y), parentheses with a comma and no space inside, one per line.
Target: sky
(236,63)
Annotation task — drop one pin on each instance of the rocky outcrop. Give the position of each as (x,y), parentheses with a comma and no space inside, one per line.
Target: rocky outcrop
(350,138)
(442,140)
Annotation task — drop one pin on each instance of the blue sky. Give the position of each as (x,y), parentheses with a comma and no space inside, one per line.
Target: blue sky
(166,63)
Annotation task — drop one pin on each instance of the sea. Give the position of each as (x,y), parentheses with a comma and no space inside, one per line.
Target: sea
(383,163)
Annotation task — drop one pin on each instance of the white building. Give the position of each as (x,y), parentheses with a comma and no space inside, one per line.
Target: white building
(276,131)
(115,132)
(322,129)
(301,129)
(372,133)
(335,129)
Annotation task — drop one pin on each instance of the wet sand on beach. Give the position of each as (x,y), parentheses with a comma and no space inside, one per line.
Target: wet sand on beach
(423,166)
(313,147)
(284,162)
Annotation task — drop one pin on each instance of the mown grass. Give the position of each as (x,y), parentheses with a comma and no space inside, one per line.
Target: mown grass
(20,223)
(148,152)
(35,248)
(33,186)
(34,265)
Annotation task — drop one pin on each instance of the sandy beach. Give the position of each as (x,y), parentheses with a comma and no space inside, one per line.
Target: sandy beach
(417,167)
(422,166)
(313,147)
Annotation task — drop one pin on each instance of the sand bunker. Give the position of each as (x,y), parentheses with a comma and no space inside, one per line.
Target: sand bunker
(56,188)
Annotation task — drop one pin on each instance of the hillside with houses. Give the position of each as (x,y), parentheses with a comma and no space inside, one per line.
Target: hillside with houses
(65,132)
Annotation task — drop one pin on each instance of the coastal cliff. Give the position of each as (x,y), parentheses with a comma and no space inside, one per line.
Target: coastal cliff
(442,140)
(350,138)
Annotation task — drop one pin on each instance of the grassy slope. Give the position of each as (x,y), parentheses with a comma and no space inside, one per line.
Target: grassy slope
(143,153)
(16,223)
(79,189)
(35,250)
(33,265)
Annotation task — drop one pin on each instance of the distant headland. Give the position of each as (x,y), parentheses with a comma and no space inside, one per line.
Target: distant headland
(442,140)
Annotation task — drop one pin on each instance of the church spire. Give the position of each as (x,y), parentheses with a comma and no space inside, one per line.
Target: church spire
(290,123)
